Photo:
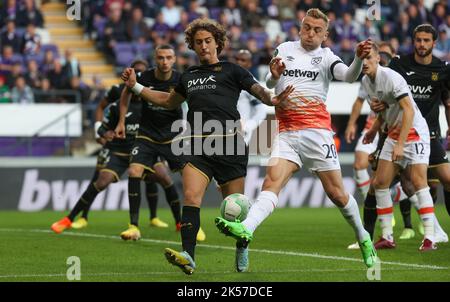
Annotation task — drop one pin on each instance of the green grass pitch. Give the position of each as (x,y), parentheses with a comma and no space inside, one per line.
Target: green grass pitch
(291,245)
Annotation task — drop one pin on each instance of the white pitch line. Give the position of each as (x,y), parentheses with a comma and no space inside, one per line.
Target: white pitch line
(285,253)
(196,273)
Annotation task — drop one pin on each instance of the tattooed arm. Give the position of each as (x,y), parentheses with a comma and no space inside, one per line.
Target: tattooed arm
(267,97)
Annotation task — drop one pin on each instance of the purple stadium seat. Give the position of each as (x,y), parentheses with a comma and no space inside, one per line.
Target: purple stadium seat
(260,38)
(142,50)
(99,26)
(39,58)
(124,58)
(51,47)
(286,25)
(123,47)
(214,13)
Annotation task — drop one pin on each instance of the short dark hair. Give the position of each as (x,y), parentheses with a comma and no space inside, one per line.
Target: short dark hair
(428,28)
(211,26)
(139,61)
(165,46)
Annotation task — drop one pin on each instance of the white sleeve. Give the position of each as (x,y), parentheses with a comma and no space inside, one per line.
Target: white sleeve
(346,73)
(400,88)
(362,93)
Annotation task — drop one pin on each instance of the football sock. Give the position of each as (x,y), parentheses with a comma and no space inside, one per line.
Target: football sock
(370,214)
(385,213)
(174,201)
(351,214)
(85,201)
(134,198)
(190,224)
(260,210)
(447,201)
(151,192)
(405,209)
(362,179)
(426,212)
(86,209)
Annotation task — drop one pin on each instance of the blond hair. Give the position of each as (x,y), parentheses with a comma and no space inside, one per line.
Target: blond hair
(318,14)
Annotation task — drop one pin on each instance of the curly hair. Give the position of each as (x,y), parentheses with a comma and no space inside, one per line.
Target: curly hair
(211,26)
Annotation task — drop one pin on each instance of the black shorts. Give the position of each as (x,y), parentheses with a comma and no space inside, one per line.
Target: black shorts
(102,158)
(147,154)
(223,168)
(116,165)
(438,156)
(437,153)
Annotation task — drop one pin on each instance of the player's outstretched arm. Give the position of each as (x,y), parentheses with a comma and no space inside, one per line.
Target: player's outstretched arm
(351,73)
(267,97)
(167,100)
(350,131)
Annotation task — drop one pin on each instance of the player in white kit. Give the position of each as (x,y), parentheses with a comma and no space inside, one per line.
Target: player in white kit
(406,147)
(305,137)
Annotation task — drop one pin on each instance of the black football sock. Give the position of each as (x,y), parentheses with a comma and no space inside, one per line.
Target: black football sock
(87,207)
(85,201)
(190,224)
(174,201)
(447,201)
(134,198)
(151,191)
(370,214)
(405,209)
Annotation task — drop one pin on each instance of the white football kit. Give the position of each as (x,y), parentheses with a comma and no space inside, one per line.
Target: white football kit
(305,136)
(390,87)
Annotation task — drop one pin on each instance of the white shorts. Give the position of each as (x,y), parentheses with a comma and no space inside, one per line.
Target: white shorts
(366,148)
(312,148)
(414,152)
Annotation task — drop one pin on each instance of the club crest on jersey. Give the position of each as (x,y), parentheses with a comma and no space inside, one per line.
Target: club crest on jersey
(217,68)
(316,60)
(434,76)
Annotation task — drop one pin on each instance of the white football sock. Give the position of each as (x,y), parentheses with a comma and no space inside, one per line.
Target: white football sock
(362,179)
(260,210)
(351,214)
(426,212)
(384,211)
(414,201)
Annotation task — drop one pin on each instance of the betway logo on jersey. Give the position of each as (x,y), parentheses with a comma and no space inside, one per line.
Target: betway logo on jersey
(205,83)
(416,89)
(298,73)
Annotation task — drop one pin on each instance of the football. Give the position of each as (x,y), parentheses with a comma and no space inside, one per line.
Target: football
(235,207)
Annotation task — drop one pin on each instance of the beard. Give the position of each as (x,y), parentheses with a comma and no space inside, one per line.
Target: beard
(425,54)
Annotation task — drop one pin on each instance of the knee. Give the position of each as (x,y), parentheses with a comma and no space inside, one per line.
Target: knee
(191,198)
(135,171)
(271,184)
(338,197)
(103,181)
(419,181)
(359,165)
(378,183)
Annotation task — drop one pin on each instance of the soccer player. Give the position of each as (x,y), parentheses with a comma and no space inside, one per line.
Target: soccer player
(252,111)
(362,151)
(306,138)
(212,90)
(161,176)
(153,139)
(117,159)
(407,146)
(428,77)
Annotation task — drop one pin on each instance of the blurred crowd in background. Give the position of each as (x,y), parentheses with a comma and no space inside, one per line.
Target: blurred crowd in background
(31,71)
